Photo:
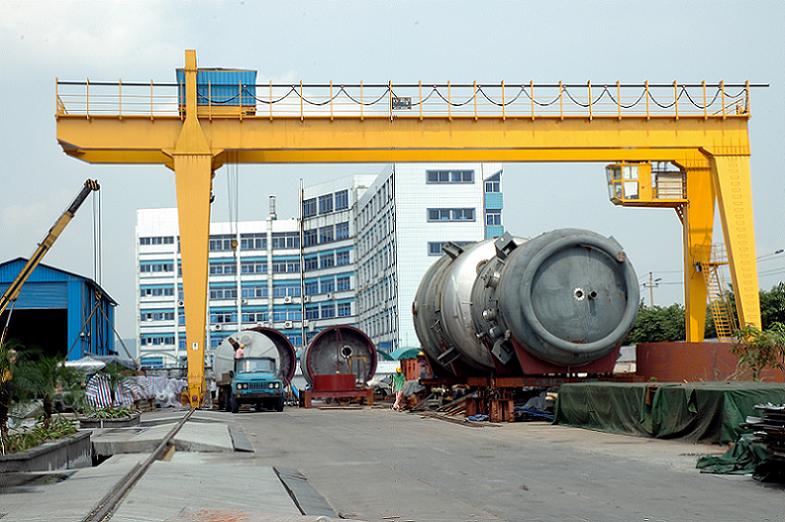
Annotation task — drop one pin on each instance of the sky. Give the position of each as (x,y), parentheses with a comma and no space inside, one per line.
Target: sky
(374,41)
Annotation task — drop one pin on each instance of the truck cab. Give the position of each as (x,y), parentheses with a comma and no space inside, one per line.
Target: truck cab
(255,381)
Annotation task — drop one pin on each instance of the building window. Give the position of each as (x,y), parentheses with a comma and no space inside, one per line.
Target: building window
(156,316)
(450,214)
(343,284)
(311,263)
(493,217)
(493,185)
(286,267)
(312,312)
(309,207)
(310,237)
(223,317)
(253,241)
(286,240)
(342,258)
(342,200)
(326,234)
(449,176)
(156,292)
(344,309)
(325,204)
(327,285)
(223,268)
(254,292)
(157,240)
(156,267)
(326,260)
(328,310)
(435,247)
(311,288)
(253,267)
(221,243)
(342,231)
(223,293)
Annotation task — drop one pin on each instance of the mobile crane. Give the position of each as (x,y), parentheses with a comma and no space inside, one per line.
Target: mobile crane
(14,289)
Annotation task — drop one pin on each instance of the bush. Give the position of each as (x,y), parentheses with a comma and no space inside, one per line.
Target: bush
(118,412)
(760,349)
(58,427)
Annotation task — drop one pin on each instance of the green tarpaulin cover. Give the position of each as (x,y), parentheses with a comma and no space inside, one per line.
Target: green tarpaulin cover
(706,412)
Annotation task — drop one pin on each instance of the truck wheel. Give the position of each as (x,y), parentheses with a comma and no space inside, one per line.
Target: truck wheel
(234,404)
(258,406)
(279,405)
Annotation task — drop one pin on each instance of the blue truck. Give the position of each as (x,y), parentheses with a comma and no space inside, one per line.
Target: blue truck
(253,367)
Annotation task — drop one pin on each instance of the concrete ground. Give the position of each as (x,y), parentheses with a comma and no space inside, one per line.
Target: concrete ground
(378,465)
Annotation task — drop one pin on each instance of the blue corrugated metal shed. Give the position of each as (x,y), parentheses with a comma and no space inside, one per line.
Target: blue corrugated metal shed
(89,310)
(224,86)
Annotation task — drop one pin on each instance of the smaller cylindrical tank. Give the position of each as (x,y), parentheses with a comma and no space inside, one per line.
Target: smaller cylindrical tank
(339,350)
(256,342)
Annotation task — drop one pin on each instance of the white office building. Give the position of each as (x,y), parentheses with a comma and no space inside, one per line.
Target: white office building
(403,220)
(355,256)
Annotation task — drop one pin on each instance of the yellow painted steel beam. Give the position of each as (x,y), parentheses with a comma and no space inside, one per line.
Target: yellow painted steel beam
(193,181)
(733,186)
(698,229)
(259,140)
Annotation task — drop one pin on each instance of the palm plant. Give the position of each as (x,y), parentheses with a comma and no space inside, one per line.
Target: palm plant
(42,379)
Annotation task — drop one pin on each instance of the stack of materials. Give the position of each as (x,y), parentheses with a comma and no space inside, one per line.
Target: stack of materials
(771,431)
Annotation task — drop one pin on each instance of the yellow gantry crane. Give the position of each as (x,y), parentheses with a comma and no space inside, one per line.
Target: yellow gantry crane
(194,127)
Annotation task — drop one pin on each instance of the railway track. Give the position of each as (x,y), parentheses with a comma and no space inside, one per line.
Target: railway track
(106,507)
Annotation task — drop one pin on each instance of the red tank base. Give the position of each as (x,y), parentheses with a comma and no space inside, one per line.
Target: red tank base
(361,396)
(334,382)
(532,366)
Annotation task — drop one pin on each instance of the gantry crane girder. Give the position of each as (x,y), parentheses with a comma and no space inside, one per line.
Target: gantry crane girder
(712,149)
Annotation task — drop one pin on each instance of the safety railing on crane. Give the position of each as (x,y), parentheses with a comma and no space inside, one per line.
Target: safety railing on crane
(419,100)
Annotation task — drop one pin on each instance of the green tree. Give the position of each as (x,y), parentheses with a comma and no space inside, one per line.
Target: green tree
(658,324)
(772,305)
(760,349)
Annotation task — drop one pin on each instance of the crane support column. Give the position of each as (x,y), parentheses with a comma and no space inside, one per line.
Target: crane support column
(193,169)
(698,231)
(732,183)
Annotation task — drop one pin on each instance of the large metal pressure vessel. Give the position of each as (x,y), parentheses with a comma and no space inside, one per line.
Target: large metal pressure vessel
(257,342)
(566,298)
(340,350)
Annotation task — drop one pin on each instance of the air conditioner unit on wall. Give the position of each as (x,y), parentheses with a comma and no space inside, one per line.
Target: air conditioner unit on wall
(328,295)
(288,324)
(305,323)
(307,299)
(287,299)
(217,327)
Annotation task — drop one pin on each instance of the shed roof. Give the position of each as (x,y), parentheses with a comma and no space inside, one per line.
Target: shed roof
(404,353)
(10,269)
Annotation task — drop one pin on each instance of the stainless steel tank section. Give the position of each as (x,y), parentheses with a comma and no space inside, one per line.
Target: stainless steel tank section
(257,342)
(442,309)
(568,297)
(339,349)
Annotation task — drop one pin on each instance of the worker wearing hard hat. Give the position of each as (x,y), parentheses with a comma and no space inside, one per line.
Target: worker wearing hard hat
(398,381)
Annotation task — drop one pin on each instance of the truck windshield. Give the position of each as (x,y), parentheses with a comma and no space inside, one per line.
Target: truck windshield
(255,365)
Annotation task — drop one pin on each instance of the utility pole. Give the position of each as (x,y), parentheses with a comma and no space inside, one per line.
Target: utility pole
(651,285)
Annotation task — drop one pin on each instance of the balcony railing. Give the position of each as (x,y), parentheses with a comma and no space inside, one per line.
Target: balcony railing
(420,101)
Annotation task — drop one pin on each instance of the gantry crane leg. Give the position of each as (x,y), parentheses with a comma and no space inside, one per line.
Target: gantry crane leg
(731,174)
(193,170)
(698,227)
